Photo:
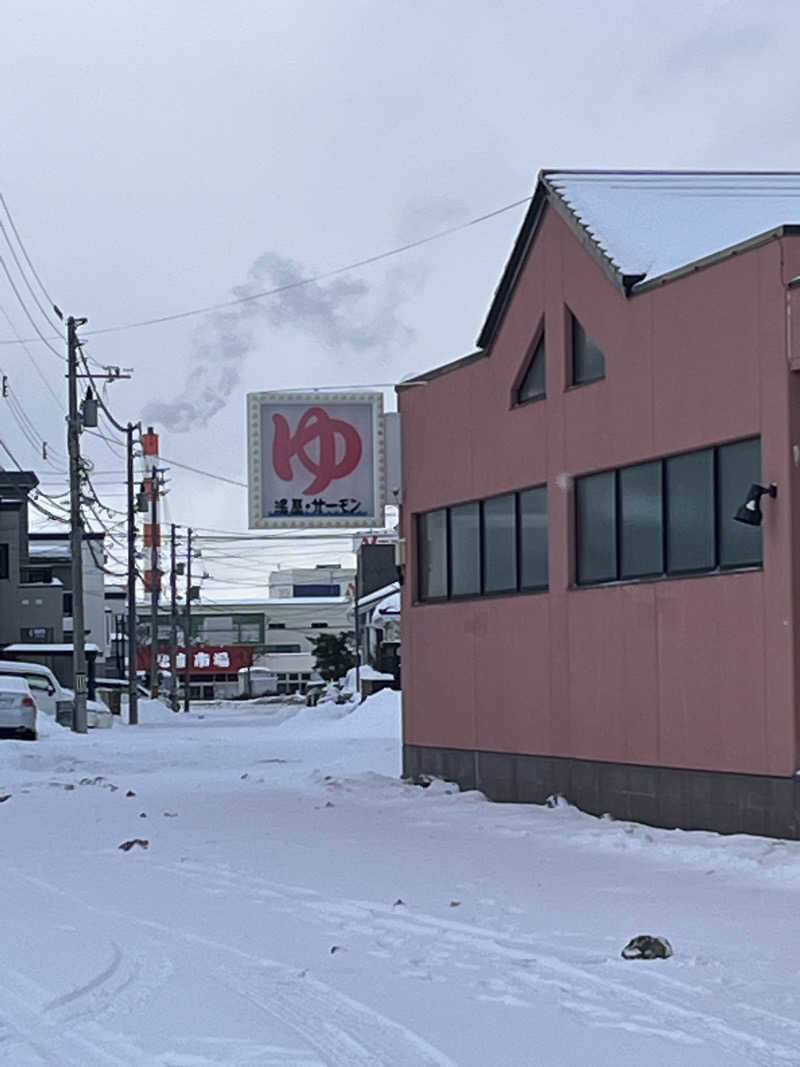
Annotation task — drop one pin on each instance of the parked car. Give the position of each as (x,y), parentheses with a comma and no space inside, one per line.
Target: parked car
(51,697)
(17,708)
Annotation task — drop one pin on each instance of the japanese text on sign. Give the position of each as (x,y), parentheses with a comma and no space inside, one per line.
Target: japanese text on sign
(200,660)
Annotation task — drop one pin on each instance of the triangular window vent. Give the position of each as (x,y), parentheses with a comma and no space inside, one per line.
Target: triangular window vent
(588,361)
(532,386)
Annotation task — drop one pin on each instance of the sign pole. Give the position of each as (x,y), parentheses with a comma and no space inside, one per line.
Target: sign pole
(155,582)
(173,622)
(187,626)
(133,694)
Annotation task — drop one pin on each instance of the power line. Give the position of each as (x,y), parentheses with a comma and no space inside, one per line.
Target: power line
(207,474)
(44,313)
(34,272)
(31,357)
(28,315)
(157,320)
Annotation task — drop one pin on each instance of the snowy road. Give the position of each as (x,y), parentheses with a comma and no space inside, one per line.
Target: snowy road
(298,905)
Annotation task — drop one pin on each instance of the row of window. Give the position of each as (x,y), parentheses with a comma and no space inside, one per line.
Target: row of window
(668,516)
(664,517)
(484,547)
(587,364)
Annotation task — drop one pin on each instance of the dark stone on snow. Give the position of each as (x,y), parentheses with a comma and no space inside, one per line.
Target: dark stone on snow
(647,947)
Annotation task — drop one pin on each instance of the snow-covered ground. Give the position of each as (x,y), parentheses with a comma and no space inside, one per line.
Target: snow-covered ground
(298,904)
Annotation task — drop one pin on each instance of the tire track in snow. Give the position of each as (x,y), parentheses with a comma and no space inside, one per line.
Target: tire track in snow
(49,1039)
(94,983)
(344,1031)
(309,1006)
(603,999)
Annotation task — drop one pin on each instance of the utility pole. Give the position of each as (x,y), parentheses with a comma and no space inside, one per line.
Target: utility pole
(357,627)
(173,621)
(187,625)
(155,582)
(76,529)
(133,694)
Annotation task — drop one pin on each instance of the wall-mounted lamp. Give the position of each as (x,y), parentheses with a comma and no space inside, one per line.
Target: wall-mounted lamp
(750,512)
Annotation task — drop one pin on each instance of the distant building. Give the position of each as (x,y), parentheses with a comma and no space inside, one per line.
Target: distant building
(324,580)
(31,598)
(276,631)
(378,631)
(50,557)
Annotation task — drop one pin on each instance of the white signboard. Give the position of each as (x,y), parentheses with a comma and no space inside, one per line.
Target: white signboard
(315,460)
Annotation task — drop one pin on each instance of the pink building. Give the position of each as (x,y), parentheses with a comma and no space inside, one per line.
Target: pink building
(582,614)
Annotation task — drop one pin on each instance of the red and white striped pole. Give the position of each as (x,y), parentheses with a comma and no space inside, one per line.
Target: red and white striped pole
(152,540)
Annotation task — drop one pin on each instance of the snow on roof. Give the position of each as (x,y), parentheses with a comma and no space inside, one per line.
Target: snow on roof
(388,608)
(44,550)
(280,601)
(10,682)
(391,605)
(377,594)
(47,650)
(654,222)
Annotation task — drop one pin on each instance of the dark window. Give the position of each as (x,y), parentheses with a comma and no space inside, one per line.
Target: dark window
(319,625)
(248,629)
(465,550)
(681,507)
(532,386)
(596,522)
(274,649)
(66,604)
(738,467)
(276,626)
(500,544)
(315,589)
(690,512)
(38,575)
(4,564)
(641,532)
(533,538)
(588,361)
(432,539)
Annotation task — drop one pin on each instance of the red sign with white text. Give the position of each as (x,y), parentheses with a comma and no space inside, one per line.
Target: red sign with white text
(205,659)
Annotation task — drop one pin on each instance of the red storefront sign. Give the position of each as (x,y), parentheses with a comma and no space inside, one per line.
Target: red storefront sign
(205,659)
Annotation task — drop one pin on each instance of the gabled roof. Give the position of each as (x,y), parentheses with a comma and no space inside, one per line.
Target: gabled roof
(648,227)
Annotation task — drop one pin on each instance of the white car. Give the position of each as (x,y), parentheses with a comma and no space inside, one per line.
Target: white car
(51,697)
(17,708)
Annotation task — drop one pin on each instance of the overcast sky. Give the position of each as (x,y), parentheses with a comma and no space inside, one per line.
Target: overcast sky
(163,157)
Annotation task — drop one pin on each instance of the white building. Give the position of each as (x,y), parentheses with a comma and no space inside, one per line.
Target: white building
(278,629)
(50,558)
(324,580)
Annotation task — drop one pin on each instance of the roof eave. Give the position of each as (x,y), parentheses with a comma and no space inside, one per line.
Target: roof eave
(511,271)
(784,230)
(437,372)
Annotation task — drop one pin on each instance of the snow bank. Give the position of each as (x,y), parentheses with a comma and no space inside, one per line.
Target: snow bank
(151,711)
(46,726)
(377,717)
